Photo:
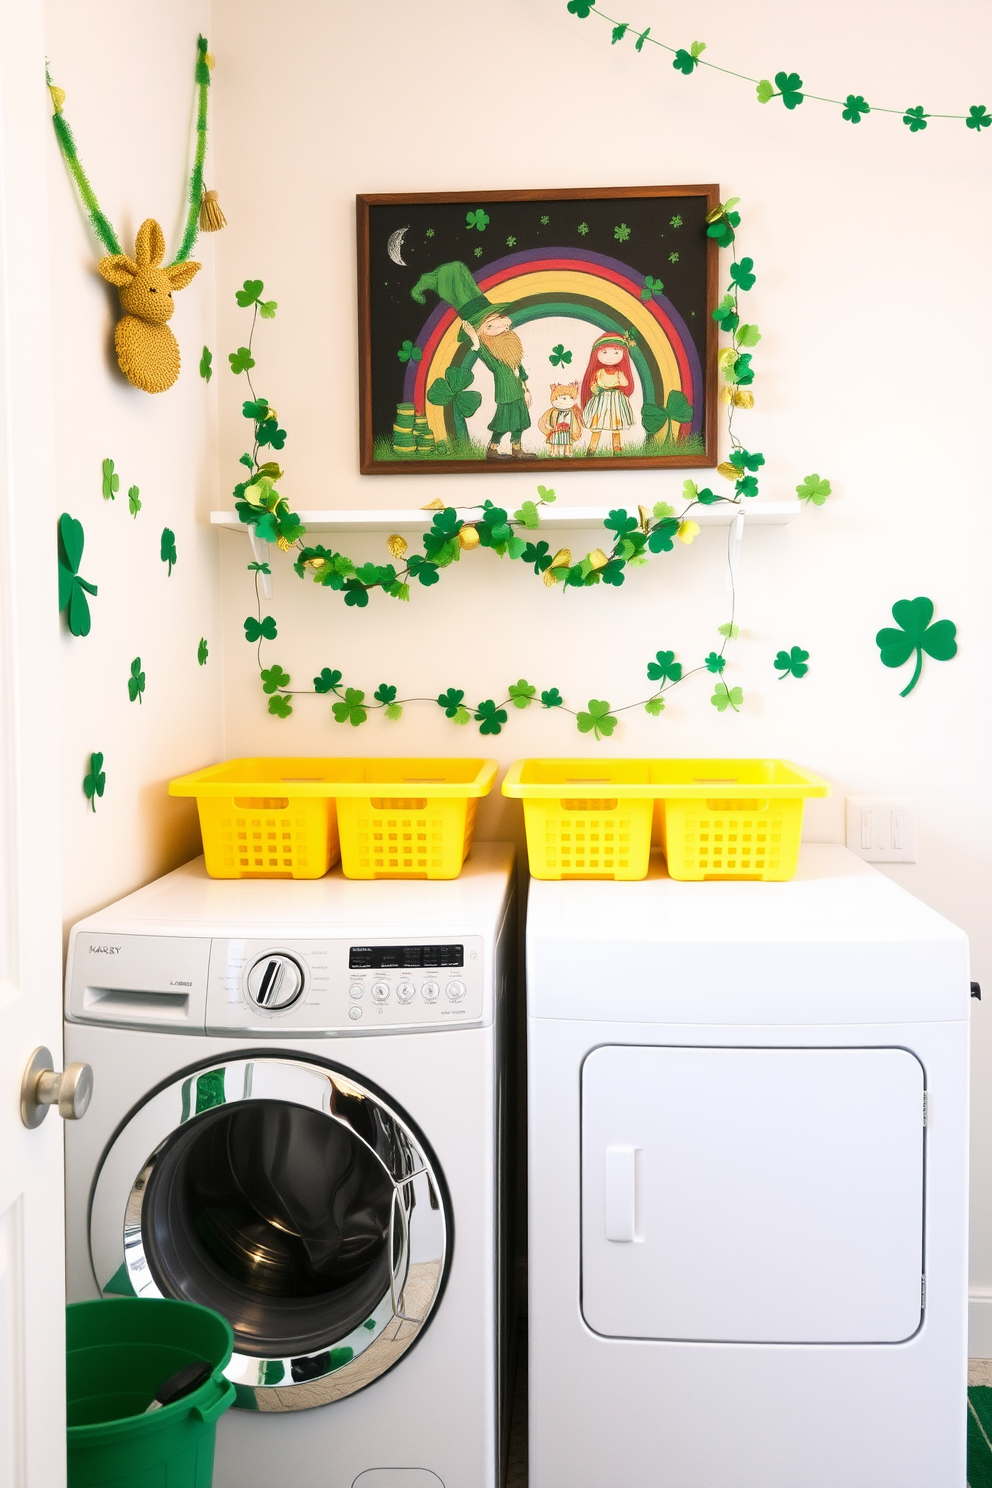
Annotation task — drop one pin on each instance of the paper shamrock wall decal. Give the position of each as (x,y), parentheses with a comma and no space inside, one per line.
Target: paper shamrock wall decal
(147,351)
(72,588)
(792,663)
(94,782)
(167,548)
(916,635)
(136,681)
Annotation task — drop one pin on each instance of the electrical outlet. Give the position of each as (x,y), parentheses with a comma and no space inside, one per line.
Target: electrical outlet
(882,829)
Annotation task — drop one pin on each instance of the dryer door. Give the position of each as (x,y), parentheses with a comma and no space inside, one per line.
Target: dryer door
(753,1195)
(294,1200)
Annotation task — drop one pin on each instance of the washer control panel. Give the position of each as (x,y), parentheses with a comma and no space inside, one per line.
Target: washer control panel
(344,987)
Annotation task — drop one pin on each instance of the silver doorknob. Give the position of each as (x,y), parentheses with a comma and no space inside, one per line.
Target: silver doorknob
(42,1086)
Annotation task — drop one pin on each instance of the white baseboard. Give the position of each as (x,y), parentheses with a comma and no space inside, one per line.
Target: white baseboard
(980,1323)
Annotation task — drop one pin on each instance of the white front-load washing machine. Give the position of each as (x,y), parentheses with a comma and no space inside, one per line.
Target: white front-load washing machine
(298,1119)
(748,1153)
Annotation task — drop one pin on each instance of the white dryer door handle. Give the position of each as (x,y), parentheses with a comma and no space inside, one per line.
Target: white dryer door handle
(621,1194)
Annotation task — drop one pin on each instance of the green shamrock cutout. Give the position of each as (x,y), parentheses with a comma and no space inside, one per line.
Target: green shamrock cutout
(478,219)
(639,43)
(742,274)
(655,706)
(489,717)
(729,631)
(725,697)
(619,32)
(792,663)
(327,681)
(715,662)
(621,232)
(598,720)
(521,693)
(260,630)
(349,709)
(451,701)
(662,537)
(552,698)
(916,634)
(583,228)
(385,694)
(202,651)
(95,781)
(111,481)
(854,108)
(539,555)
(72,588)
(559,356)
(790,85)
(241,360)
(813,489)
(267,309)
(280,707)
(665,668)
(408,352)
(136,681)
(915,118)
(651,286)
(250,294)
(167,548)
(528,516)
(133,500)
(979,117)
(274,678)
(686,62)
(581,8)
(206,364)
(726,314)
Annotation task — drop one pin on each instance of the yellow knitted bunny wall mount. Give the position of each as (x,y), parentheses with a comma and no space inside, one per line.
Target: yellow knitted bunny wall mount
(147,351)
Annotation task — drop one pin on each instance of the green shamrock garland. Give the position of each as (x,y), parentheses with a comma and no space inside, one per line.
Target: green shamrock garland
(631,540)
(788,86)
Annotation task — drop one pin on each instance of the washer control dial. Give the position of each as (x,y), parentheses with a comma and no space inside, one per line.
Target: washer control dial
(429,991)
(380,992)
(405,992)
(455,991)
(275,982)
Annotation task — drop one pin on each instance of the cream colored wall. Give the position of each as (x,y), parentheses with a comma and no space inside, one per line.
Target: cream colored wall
(869,244)
(129,101)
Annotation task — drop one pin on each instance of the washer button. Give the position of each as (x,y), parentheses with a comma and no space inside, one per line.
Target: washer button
(429,991)
(354,1013)
(380,992)
(405,992)
(455,991)
(356,990)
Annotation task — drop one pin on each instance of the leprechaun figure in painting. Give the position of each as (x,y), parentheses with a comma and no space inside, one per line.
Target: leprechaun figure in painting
(489,328)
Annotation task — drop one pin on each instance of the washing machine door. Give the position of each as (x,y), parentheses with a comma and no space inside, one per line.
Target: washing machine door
(291,1198)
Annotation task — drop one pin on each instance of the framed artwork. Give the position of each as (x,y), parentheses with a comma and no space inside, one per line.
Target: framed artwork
(507,330)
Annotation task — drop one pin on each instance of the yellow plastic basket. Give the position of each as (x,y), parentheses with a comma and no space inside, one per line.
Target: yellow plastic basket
(293,818)
(732,818)
(584,818)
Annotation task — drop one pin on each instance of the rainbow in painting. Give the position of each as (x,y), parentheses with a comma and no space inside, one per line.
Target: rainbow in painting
(516,331)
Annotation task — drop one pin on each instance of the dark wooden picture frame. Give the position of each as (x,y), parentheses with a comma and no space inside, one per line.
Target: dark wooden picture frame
(457,290)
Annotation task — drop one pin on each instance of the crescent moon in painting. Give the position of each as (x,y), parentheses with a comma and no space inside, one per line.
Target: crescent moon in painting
(395,245)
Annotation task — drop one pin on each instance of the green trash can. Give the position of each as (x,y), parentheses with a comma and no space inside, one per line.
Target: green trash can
(119,1352)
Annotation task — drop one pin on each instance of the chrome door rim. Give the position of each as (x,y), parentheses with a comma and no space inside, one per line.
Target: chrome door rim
(347,1363)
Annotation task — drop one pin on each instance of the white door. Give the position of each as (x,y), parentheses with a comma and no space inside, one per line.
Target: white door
(32,1440)
(753,1195)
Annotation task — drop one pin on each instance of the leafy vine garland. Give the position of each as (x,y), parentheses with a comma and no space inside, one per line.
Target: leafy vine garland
(788,86)
(630,541)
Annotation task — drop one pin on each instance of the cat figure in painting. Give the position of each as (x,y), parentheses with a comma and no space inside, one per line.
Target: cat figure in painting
(562,424)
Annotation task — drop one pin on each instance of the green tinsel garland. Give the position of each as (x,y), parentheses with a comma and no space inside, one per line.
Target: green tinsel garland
(99,221)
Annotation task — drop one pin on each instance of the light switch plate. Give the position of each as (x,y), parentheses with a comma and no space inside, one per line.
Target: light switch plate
(882,829)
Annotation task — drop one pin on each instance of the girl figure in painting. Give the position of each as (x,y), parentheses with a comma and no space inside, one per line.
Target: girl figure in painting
(605,388)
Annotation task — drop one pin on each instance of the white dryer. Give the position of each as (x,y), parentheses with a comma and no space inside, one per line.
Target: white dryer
(748,1128)
(298,1119)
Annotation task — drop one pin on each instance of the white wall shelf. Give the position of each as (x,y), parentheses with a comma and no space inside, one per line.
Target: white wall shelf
(755,513)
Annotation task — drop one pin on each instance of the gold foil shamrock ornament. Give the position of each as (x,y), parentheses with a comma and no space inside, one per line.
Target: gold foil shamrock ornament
(147,351)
